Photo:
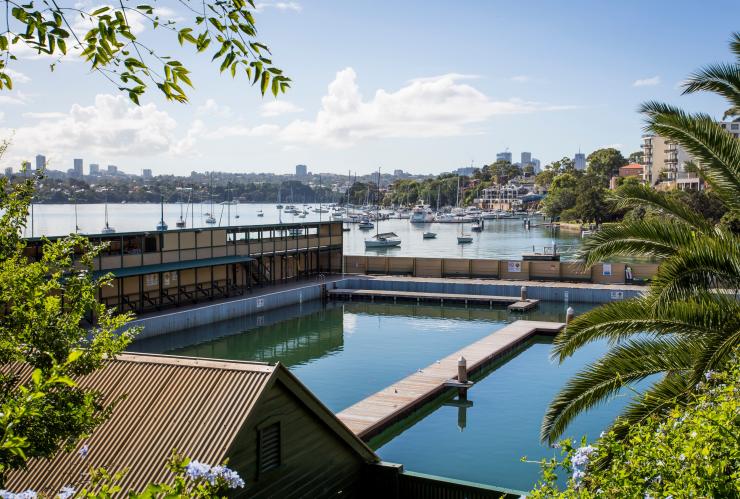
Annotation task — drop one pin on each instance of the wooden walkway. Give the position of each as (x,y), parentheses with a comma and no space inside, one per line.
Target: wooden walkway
(372,415)
(515,303)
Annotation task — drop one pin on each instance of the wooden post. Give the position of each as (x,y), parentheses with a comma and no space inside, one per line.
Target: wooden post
(462,376)
(523,293)
(569,315)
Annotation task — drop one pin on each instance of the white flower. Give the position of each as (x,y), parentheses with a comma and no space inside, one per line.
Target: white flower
(83,451)
(27,494)
(66,492)
(195,470)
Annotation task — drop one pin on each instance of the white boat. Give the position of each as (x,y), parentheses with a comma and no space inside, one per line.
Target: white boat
(338,215)
(464,239)
(260,214)
(161,225)
(210,220)
(384,240)
(366,224)
(295,231)
(107,229)
(488,215)
(180,224)
(447,218)
(302,215)
(421,214)
(477,227)
(320,210)
(430,235)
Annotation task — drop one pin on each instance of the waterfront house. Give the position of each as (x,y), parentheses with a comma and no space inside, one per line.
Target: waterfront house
(274,432)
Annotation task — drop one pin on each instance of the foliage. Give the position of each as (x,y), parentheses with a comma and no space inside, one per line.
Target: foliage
(499,172)
(409,192)
(106,39)
(694,451)
(191,479)
(636,157)
(46,305)
(688,321)
(605,163)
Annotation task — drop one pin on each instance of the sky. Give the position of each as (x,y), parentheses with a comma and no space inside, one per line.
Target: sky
(423,86)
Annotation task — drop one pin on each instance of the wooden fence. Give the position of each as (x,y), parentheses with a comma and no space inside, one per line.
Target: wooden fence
(601,273)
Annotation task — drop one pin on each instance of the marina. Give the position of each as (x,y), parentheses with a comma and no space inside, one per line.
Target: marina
(513,303)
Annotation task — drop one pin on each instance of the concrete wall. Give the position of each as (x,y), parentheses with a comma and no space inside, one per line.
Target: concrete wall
(209,314)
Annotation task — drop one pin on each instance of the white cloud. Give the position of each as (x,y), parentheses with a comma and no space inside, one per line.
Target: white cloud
(15,97)
(44,116)
(647,82)
(278,108)
(281,6)
(110,127)
(520,78)
(2,115)
(211,108)
(439,106)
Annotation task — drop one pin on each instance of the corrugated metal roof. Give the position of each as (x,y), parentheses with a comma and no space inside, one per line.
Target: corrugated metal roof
(171,266)
(196,406)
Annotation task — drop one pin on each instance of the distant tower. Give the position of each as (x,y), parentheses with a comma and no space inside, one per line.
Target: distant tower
(301,170)
(504,156)
(526,158)
(94,169)
(40,162)
(146,173)
(77,169)
(580,161)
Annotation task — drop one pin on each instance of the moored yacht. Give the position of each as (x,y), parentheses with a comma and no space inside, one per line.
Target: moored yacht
(421,214)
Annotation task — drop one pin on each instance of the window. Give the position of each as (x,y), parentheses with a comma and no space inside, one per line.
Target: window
(735,126)
(269,450)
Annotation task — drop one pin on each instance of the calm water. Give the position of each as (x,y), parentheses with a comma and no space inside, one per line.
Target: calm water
(346,351)
(499,239)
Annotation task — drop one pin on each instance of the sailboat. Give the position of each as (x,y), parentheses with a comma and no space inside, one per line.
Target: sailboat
(385,239)
(462,238)
(279,205)
(107,229)
(161,225)
(210,219)
(180,224)
(260,214)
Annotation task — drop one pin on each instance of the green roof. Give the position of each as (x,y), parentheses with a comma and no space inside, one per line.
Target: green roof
(170,266)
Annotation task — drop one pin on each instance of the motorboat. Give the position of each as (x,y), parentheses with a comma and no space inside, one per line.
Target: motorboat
(180,224)
(464,239)
(384,240)
(421,214)
(161,225)
(302,215)
(476,227)
(210,220)
(107,229)
(295,231)
(430,235)
(366,224)
(446,218)
(260,214)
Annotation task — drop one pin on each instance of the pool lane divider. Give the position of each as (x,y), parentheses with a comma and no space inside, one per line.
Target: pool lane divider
(369,417)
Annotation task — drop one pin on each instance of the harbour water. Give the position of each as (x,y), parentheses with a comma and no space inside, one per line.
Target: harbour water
(505,239)
(345,352)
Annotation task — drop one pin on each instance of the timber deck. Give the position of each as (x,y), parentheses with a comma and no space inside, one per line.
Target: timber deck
(514,303)
(377,412)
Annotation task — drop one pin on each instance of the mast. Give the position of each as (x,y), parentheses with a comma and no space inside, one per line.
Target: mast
(377,208)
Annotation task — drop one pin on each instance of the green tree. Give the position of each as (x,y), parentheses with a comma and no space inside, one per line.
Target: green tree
(46,304)
(636,157)
(688,321)
(591,200)
(605,163)
(562,194)
(104,38)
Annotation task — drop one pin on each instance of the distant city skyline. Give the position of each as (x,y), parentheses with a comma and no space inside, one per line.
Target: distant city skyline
(418,99)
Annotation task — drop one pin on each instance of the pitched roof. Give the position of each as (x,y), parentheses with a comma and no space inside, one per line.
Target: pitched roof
(194,405)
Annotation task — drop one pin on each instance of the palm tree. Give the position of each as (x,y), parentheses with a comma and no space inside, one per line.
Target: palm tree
(688,321)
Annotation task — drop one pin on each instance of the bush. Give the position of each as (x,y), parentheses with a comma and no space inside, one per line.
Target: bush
(694,452)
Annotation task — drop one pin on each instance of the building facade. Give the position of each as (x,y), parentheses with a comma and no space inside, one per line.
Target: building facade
(665,165)
(504,156)
(146,173)
(579,161)
(301,170)
(526,158)
(40,162)
(77,167)
(94,169)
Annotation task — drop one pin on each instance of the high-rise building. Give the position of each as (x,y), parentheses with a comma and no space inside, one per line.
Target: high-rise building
(146,173)
(526,158)
(301,170)
(40,162)
(398,173)
(77,168)
(26,166)
(112,170)
(94,169)
(8,171)
(665,161)
(579,161)
(503,156)
(536,164)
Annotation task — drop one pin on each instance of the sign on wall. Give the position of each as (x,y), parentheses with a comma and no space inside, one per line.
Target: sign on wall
(606,269)
(515,266)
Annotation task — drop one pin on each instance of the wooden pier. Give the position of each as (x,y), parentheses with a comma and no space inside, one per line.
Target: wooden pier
(515,304)
(372,415)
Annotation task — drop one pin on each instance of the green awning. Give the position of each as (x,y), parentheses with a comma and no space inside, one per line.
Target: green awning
(172,266)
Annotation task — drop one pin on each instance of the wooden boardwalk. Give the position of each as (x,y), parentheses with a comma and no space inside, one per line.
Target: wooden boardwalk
(515,303)
(372,415)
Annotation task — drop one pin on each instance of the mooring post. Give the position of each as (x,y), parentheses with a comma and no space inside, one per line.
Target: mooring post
(569,315)
(523,294)
(462,376)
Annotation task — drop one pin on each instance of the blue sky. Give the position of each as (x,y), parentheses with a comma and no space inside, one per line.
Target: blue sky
(424,86)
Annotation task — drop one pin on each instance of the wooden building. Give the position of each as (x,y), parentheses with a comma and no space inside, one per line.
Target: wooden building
(155,270)
(275,433)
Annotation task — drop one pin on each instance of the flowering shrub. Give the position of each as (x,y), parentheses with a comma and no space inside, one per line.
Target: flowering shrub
(193,479)
(693,452)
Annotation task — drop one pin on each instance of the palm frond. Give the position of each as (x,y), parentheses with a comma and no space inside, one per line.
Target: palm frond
(661,396)
(651,238)
(707,263)
(716,151)
(630,196)
(735,45)
(630,362)
(621,320)
(722,79)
